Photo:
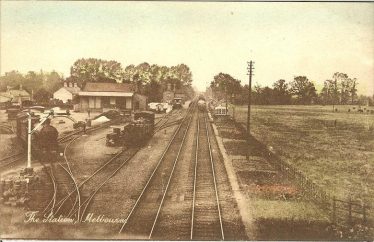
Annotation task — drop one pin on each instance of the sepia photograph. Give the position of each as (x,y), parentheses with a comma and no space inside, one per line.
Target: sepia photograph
(186,121)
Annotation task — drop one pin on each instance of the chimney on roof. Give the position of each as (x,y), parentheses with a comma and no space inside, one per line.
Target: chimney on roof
(20,87)
(174,87)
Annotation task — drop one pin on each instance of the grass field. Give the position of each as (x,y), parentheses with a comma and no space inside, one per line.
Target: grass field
(335,149)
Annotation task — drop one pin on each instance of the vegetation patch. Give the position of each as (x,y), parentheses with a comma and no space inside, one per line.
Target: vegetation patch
(232,134)
(334,149)
(291,229)
(236,147)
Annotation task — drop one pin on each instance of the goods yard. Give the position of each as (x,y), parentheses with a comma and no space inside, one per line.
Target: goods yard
(171,185)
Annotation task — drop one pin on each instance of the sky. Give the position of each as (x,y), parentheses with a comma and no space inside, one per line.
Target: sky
(283,39)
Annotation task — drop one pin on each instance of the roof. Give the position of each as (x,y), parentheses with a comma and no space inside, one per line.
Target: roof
(106,94)
(17,93)
(4,98)
(220,107)
(72,90)
(12,94)
(107,87)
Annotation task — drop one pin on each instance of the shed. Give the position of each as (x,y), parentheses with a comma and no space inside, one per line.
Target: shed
(220,111)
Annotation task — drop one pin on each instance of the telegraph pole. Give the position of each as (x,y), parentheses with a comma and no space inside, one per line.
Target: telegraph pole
(29,132)
(250,73)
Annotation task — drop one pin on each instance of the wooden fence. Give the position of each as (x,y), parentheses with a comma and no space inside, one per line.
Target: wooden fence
(350,212)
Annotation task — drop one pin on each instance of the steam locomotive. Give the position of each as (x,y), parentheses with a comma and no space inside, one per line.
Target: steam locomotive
(43,140)
(137,132)
(201,103)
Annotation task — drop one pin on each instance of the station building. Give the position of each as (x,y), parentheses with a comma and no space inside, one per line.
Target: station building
(67,92)
(100,96)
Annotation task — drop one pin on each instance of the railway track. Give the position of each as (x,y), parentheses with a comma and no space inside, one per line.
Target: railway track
(7,162)
(72,135)
(7,127)
(50,173)
(143,216)
(95,182)
(192,208)
(113,168)
(68,170)
(206,219)
(164,121)
(10,160)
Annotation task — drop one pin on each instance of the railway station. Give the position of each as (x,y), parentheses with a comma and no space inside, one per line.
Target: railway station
(190,121)
(69,163)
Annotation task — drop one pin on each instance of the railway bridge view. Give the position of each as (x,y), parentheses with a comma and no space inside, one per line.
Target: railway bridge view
(170,174)
(187,120)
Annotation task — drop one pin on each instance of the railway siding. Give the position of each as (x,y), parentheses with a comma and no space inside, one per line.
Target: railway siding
(142,218)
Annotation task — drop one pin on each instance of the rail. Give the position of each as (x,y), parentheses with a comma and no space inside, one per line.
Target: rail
(214,178)
(153,173)
(205,189)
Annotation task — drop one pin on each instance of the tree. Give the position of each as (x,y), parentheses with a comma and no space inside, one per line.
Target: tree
(353,90)
(347,87)
(281,93)
(128,74)
(42,95)
(182,73)
(11,79)
(152,80)
(324,96)
(226,85)
(53,81)
(303,89)
(96,70)
(33,81)
(143,71)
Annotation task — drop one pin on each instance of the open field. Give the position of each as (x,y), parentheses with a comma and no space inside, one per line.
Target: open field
(335,149)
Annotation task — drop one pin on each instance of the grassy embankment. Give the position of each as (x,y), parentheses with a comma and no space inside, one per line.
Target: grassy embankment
(335,149)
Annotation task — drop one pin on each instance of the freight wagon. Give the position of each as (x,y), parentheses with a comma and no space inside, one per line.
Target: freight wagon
(137,132)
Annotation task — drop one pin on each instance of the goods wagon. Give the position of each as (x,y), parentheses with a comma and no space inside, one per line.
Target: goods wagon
(137,132)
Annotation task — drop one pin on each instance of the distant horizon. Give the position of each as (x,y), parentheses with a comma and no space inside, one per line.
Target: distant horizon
(209,37)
